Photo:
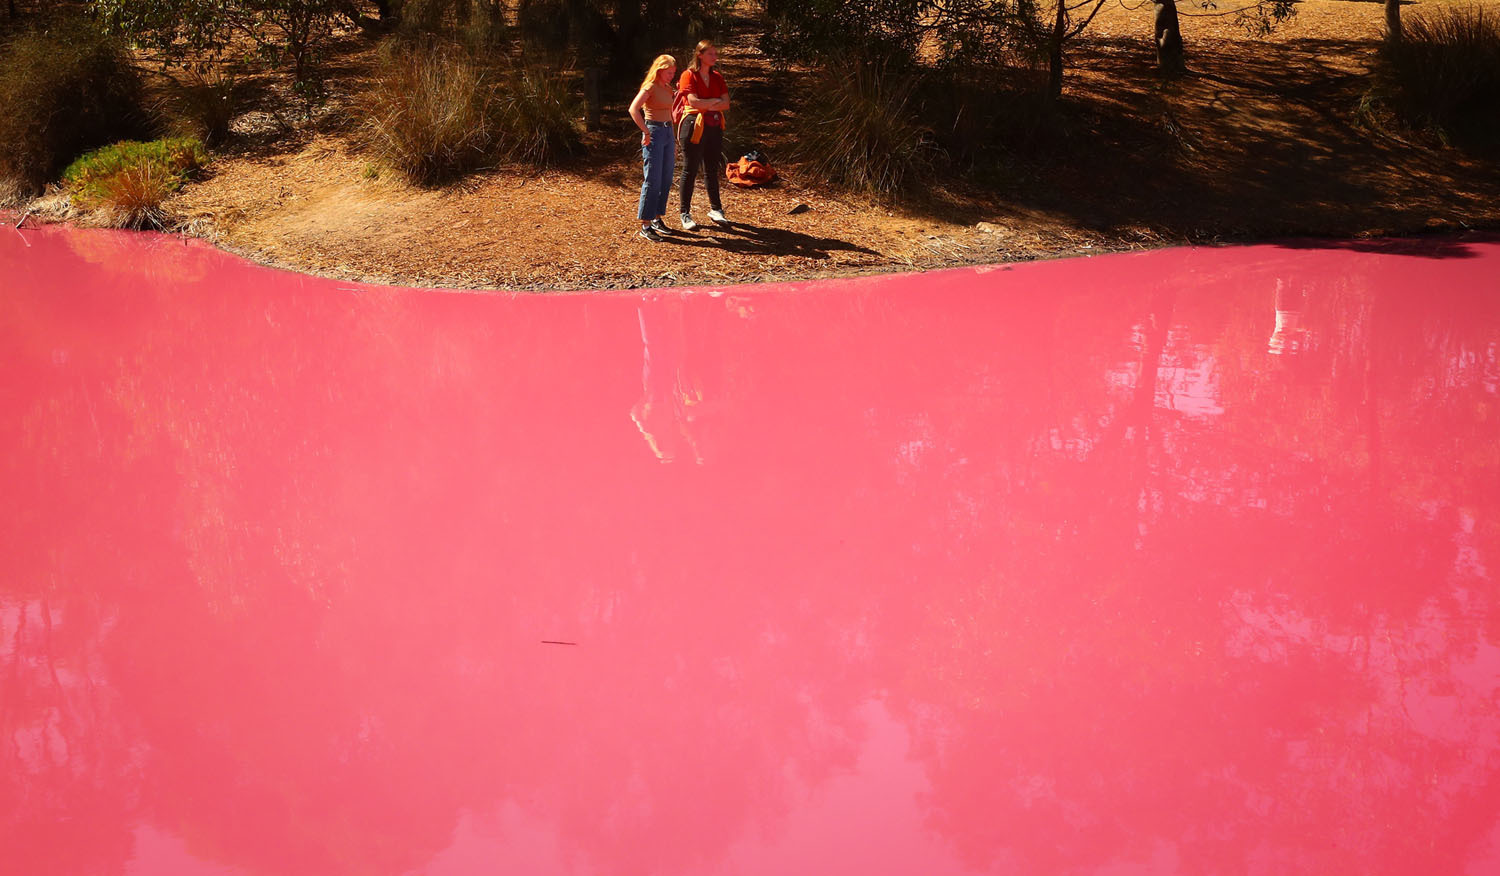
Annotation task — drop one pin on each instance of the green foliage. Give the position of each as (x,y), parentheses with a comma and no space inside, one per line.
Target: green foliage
(1444,73)
(64,88)
(436,112)
(859,128)
(832,31)
(618,34)
(672,23)
(175,157)
(128,181)
(287,33)
(1261,19)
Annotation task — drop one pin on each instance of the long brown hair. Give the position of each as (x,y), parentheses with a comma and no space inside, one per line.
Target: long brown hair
(697,62)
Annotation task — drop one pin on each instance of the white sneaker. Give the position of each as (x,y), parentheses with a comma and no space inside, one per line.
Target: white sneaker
(687,222)
(718,217)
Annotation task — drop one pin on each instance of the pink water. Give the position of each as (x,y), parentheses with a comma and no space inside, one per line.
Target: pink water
(1178,562)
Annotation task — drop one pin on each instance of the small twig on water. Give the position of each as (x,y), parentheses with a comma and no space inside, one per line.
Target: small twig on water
(22,219)
(554,642)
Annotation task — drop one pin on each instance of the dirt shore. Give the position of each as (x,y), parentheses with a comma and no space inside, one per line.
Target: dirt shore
(1265,139)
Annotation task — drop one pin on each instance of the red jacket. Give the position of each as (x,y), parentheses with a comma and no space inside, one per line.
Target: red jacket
(704,89)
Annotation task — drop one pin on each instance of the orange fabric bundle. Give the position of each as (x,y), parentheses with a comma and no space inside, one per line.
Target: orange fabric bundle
(746,173)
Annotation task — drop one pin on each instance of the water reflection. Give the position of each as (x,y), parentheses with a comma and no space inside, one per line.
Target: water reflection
(1063,569)
(670,392)
(1289,336)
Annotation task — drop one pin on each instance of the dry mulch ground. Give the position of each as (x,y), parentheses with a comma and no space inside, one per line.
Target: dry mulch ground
(314,210)
(1265,139)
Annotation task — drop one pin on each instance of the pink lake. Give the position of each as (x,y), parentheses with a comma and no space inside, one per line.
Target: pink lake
(1172,562)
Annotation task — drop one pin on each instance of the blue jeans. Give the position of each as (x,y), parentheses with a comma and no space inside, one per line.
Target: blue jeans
(658,159)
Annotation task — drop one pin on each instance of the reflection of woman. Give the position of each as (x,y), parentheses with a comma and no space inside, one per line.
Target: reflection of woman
(664,415)
(652,112)
(705,99)
(1289,336)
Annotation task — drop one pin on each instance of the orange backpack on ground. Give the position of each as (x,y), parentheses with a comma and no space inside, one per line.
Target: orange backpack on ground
(749,172)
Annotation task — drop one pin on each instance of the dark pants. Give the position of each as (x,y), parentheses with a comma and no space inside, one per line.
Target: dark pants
(707,153)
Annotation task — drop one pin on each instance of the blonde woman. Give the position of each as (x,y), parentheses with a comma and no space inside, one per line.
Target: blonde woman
(652,113)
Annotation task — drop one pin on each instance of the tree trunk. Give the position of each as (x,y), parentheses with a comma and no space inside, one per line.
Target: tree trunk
(591,79)
(1170,58)
(1393,20)
(1055,52)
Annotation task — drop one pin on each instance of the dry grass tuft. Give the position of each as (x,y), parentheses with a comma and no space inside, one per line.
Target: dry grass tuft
(428,114)
(65,88)
(863,132)
(437,112)
(1444,73)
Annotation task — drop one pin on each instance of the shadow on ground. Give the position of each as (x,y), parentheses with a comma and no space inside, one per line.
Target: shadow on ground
(1265,139)
(759,240)
(1418,247)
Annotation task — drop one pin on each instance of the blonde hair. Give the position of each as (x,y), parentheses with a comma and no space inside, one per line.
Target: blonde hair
(661,63)
(703,46)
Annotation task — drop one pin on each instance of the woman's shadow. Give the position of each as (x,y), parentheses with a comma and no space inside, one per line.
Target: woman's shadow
(756,240)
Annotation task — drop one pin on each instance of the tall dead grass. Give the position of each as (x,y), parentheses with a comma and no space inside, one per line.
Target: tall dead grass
(65,88)
(1444,72)
(428,114)
(863,131)
(437,112)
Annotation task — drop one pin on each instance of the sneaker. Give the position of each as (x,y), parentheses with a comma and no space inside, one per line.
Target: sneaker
(650,234)
(660,227)
(718,217)
(687,222)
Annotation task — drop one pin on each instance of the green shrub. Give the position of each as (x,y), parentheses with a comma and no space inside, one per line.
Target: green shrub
(435,113)
(833,31)
(65,88)
(126,182)
(1444,73)
(292,34)
(863,131)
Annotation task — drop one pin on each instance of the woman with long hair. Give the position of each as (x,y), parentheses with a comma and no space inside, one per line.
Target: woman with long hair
(704,99)
(652,113)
